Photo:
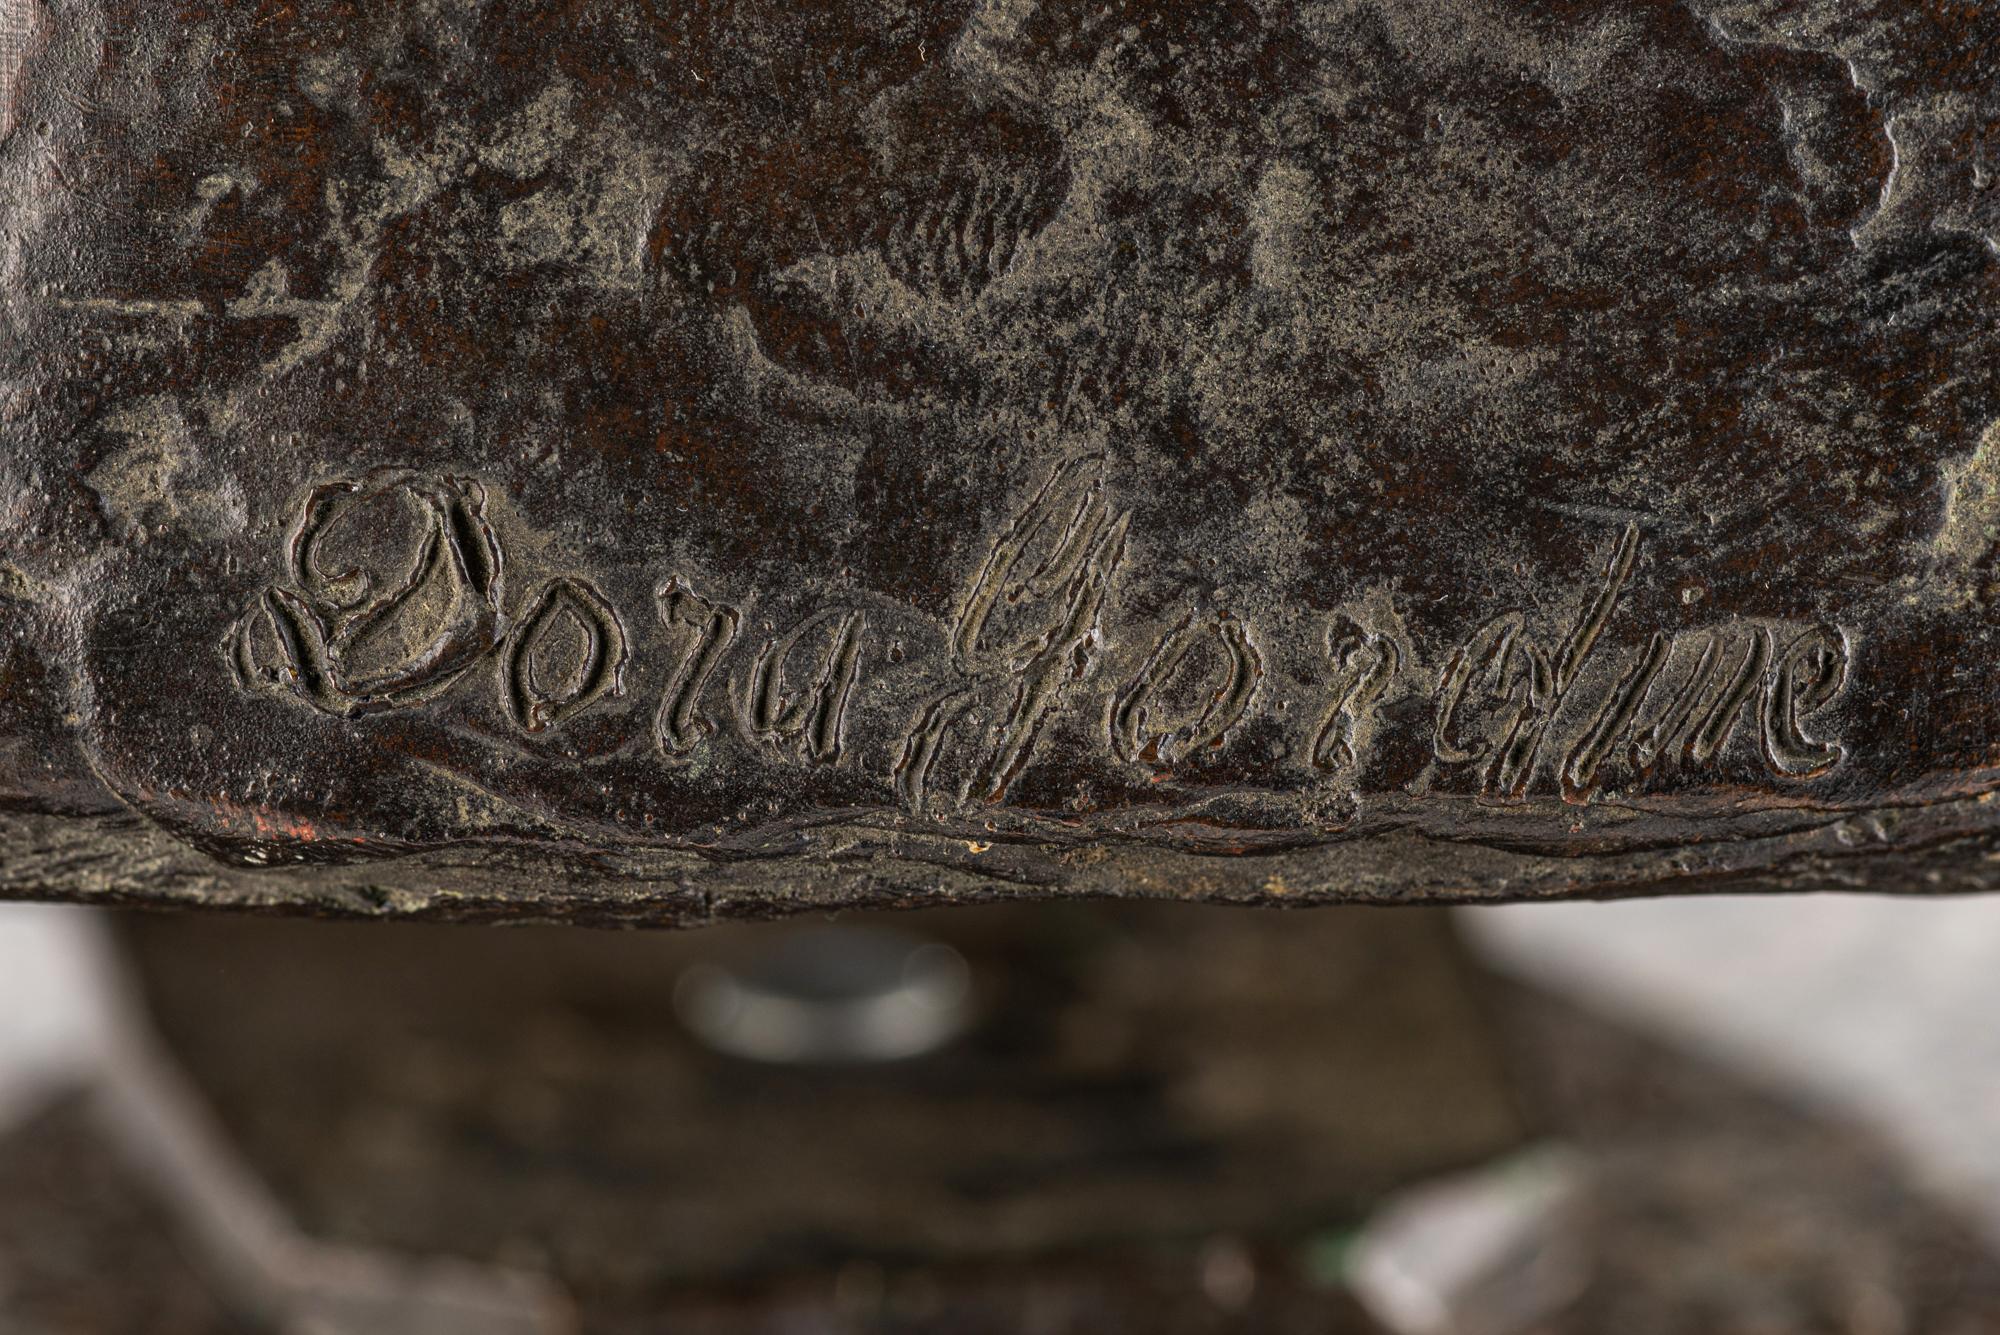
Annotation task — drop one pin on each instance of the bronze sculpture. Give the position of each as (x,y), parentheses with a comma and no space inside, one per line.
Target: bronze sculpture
(653,462)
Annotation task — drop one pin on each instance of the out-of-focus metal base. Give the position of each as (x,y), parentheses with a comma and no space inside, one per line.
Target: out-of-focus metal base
(431,1130)
(268,1270)
(1127,1077)
(604,1115)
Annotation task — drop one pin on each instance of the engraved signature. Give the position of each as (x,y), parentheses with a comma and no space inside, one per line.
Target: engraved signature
(1678,701)
(393,593)
(397,631)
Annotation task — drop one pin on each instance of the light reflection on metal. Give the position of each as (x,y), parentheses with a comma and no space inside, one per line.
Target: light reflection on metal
(831,996)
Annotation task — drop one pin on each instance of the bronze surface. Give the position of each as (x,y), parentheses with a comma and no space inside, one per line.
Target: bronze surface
(653,461)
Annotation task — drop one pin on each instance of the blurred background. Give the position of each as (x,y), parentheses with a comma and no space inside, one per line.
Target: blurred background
(1767,1115)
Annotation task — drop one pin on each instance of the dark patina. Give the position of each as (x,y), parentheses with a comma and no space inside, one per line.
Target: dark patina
(659,461)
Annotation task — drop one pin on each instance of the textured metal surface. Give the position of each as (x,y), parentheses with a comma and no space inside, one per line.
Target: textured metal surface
(658,460)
